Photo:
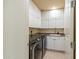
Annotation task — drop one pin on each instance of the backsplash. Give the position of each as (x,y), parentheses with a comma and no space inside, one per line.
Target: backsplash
(34,30)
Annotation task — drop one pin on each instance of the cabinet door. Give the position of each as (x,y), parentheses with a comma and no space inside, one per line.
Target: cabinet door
(60,19)
(60,44)
(44,20)
(51,23)
(44,23)
(50,42)
(59,22)
(34,16)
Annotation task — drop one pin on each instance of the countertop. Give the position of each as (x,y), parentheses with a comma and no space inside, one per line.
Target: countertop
(37,35)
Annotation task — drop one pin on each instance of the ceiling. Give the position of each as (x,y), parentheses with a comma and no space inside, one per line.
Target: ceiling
(49,4)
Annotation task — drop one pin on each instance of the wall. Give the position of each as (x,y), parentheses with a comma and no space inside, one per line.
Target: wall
(67,18)
(15,29)
(68,28)
(34,15)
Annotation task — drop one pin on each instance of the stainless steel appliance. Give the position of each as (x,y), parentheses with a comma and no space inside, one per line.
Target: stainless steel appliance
(35,49)
(36,46)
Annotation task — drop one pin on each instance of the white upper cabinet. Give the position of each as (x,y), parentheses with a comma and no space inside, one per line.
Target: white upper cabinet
(44,20)
(34,16)
(59,23)
(53,19)
(60,19)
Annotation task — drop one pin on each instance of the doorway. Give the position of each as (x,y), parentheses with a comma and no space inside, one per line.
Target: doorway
(53,19)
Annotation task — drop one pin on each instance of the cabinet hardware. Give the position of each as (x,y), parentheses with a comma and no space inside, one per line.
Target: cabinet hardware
(73,3)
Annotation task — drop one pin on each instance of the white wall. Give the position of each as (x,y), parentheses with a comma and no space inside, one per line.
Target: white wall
(15,29)
(67,17)
(68,28)
(34,15)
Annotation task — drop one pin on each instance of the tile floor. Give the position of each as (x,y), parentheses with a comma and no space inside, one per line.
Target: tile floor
(54,55)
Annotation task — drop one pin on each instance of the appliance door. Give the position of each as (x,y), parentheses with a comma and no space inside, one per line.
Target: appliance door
(43,45)
(38,51)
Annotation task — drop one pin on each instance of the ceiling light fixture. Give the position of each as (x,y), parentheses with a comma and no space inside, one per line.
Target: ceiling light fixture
(54,7)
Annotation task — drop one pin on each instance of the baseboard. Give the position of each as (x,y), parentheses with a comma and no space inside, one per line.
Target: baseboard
(54,50)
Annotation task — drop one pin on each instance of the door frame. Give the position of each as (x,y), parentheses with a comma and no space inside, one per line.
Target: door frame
(74,31)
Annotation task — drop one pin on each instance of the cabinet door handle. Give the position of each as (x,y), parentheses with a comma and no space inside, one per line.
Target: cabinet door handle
(71,45)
